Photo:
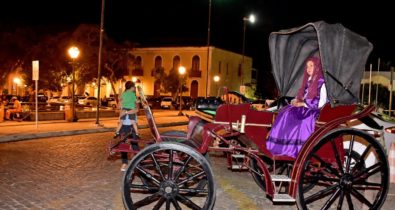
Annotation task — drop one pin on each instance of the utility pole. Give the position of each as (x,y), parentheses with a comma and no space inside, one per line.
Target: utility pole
(99,62)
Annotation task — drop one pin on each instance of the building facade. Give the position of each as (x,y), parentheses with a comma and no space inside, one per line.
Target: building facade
(202,65)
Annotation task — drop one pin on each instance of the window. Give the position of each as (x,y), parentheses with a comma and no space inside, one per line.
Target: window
(137,62)
(227,68)
(219,67)
(195,63)
(176,62)
(158,62)
(239,71)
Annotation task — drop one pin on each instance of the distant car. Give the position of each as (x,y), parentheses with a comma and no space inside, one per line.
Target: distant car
(65,99)
(111,102)
(89,101)
(166,102)
(54,99)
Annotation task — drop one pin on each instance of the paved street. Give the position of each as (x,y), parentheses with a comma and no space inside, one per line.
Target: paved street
(72,172)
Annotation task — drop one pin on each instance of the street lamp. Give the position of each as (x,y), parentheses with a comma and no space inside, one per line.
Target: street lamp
(17,82)
(181,71)
(250,19)
(73,52)
(216,80)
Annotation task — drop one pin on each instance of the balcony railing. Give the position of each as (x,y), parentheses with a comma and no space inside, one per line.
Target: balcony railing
(195,73)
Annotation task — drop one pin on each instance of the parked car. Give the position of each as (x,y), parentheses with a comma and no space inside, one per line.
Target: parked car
(166,102)
(111,102)
(65,99)
(54,99)
(89,101)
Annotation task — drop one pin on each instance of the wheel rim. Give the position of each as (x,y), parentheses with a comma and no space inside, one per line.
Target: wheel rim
(168,176)
(349,177)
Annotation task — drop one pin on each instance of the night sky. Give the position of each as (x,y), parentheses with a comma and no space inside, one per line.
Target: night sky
(184,22)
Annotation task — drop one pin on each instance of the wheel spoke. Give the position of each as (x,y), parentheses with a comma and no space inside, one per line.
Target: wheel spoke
(167,204)
(327,166)
(366,173)
(170,174)
(148,175)
(182,169)
(336,153)
(176,205)
(340,204)
(332,199)
(360,162)
(159,204)
(350,148)
(147,200)
(157,166)
(360,197)
(349,201)
(320,194)
(191,178)
(187,202)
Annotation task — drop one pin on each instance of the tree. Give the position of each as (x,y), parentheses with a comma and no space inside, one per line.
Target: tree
(171,82)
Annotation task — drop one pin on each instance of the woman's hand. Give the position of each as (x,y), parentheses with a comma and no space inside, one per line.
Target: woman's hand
(297,103)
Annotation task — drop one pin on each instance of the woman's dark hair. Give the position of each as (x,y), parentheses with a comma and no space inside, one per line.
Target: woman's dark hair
(129,84)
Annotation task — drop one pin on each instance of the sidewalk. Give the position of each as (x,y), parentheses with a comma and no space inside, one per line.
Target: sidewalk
(17,131)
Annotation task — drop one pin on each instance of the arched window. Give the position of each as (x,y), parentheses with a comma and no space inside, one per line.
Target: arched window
(138,67)
(195,63)
(158,62)
(138,62)
(176,62)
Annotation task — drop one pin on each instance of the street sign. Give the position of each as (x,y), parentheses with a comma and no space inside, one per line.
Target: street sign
(35,70)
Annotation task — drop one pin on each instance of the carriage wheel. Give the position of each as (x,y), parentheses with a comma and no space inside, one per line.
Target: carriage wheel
(168,175)
(348,169)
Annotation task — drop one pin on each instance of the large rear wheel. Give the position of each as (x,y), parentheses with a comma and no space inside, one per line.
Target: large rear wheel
(346,169)
(168,175)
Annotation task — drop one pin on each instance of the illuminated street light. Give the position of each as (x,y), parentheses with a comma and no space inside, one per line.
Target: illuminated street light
(134,79)
(181,71)
(216,80)
(17,82)
(250,19)
(74,52)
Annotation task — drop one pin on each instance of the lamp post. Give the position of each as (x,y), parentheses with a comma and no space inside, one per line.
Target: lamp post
(181,71)
(73,52)
(216,80)
(208,42)
(250,19)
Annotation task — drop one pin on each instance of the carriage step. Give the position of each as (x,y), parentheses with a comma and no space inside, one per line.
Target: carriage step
(238,156)
(280,178)
(239,167)
(283,198)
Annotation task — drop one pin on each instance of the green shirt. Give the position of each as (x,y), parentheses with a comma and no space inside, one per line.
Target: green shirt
(128,99)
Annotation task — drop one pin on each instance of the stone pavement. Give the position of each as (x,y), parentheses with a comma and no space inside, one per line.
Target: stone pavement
(17,131)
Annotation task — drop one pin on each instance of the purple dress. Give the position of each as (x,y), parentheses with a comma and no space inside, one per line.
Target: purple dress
(293,126)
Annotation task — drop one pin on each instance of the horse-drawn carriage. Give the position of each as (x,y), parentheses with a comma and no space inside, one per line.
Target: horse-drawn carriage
(337,167)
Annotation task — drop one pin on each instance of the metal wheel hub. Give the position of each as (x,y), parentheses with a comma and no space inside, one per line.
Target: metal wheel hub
(346,182)
(168,189)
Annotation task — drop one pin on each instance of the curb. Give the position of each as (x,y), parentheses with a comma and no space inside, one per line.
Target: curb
(30,136)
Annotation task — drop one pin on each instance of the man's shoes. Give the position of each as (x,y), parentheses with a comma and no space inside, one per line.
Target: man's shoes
(124,167)
(116,135)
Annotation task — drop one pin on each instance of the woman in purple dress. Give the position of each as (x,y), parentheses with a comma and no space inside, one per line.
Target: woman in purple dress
(295,122)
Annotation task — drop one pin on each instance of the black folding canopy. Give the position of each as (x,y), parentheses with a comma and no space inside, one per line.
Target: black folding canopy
(343,56)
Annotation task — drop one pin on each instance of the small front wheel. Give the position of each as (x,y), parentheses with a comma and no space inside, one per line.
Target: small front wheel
(168,175)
